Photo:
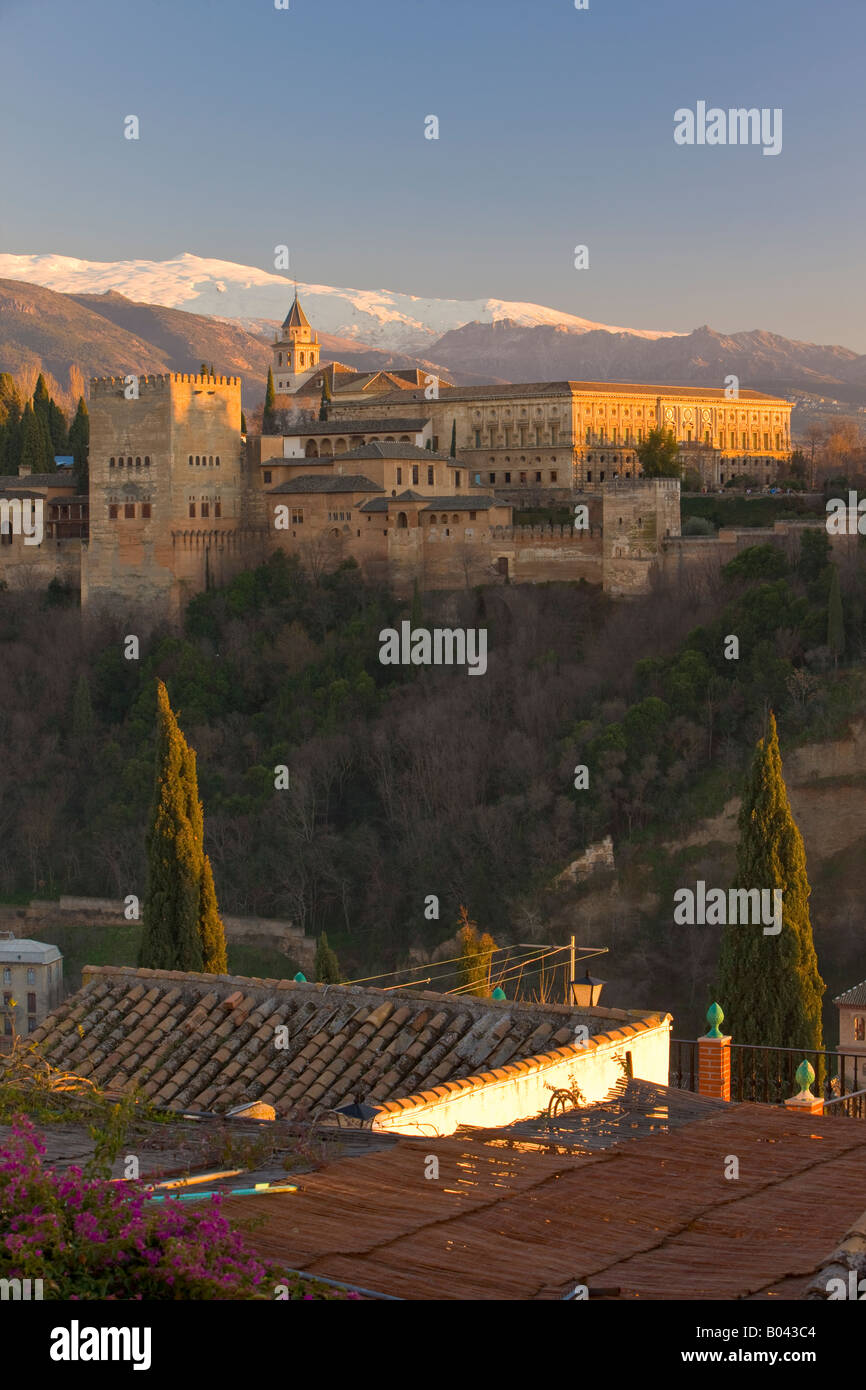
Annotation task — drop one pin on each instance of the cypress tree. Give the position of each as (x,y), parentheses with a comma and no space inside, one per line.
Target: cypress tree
(454,439)
(270,403)
(34,449)
(210,928)
(79,442)
(835,617)
(243,423)
(170,940)
(769,986)
(326,967)
(326,399)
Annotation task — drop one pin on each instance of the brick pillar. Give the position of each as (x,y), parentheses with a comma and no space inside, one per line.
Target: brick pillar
(714,1067)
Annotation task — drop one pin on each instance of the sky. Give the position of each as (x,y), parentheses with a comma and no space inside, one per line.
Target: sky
(305,126)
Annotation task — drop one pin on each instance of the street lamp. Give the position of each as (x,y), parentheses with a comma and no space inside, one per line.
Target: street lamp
(587,992)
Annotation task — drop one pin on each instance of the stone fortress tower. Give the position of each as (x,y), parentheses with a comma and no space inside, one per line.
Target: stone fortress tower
(638,516)
(171,510)
(295,351)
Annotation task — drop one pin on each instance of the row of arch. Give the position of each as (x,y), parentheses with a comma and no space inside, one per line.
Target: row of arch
(127,463)
(203,460)
(313,450)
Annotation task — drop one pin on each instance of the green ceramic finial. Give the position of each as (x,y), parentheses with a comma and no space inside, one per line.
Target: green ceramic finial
(300,979)
(804,1076)
(498,993)
(714,1018)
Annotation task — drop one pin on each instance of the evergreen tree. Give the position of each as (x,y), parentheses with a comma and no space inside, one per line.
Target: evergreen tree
(835,617)
(210,928)
(243,423)
(268,421)
(182,926)
(10,424)
(34,449)
(326,399)
(170,939)
(454,439)
(769,986)
(79,442)
(326,967)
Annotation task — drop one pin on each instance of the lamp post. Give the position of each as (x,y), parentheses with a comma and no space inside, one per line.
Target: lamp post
(587,992)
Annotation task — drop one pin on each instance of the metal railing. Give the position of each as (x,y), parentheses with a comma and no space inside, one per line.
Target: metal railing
(766,1075)
(853,1105)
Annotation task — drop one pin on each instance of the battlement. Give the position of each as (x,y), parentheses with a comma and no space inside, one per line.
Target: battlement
(152,384)
(632,484)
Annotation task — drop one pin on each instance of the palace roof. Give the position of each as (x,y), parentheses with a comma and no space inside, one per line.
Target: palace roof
(327,482)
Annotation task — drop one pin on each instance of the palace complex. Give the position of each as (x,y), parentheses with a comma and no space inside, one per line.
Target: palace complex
(415,478)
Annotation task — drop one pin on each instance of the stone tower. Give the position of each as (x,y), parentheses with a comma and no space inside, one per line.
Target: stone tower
(295,350)
(168,492)
(638,516)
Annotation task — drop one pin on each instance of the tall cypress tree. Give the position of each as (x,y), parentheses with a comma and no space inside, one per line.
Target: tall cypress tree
(79,443)
(182,926)
(454,439)
(270,403)
(325,401)
(34,447)
(170,940)
(769,985)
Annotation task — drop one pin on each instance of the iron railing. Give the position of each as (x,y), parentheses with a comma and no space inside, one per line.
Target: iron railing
(853,1105)
(767,1074)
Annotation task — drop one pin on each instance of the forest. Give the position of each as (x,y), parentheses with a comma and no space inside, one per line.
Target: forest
(405,782)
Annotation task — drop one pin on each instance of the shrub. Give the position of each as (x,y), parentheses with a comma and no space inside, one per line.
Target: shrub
(92,1239)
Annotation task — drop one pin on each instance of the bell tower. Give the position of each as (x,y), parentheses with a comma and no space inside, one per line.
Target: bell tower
(295,350)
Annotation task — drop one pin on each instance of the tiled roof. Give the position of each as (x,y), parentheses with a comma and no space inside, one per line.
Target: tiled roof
(464,504)
(508,390)
(511,1219)
(378,449)
(207,1042)
(328,482)
(373,426)
(856,996)
(10,481)
(375,504)
(296,318)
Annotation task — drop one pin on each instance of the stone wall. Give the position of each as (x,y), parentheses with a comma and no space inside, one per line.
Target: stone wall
(34,566)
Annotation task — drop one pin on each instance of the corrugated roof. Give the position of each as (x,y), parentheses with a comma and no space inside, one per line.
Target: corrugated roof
(653,1217)
(206,1042)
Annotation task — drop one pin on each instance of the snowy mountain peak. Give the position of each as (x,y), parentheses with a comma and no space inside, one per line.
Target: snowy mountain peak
(383,318)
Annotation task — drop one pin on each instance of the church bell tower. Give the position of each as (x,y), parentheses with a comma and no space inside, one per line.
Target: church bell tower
(296,350)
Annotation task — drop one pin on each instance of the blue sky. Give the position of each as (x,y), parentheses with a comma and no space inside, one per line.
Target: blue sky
(306,126)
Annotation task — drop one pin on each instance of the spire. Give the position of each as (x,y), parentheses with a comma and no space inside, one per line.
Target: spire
(296,318)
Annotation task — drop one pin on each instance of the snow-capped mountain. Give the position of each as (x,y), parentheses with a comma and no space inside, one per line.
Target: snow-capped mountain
(383,318)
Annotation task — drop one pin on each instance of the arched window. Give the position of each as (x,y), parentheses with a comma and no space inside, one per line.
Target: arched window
(217,460)
(111,463)
(455,520)
(432,521)
(197,460)
(129,463)
(147,460)
(138,463)
(402,520)
(860,1029)
(210,460)
(190,460)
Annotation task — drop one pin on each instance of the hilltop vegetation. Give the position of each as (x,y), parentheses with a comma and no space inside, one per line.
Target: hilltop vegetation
(408,782)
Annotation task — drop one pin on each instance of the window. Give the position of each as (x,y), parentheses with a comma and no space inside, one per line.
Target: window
(111,463)
(217,508)
(31,976)
(297,517)
(860,1029)
(430,476)
(129,511)
(457,478)
(7,998)
(477,440)
(554,476)
(267,476)
(31,1003)
(508,477)
(7,975)
(145,511)
(112,512)
(538,477)
(138,463)
(205,508)
(192,508)
(766,440)
(399,476)
(471,516)
(7,1026)
(217,460)
(414,472)
(523,477)
(492,477)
